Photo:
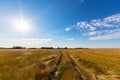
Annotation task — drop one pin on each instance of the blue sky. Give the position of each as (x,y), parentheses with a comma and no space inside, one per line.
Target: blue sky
(63,23)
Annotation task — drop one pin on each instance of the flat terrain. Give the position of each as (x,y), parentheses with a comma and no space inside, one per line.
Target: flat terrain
(59,64)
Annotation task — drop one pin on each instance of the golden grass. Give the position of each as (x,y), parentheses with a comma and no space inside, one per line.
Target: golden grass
(107,59)
(23,64)
(37,64)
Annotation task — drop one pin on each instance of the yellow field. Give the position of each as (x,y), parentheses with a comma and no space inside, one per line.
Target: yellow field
(104,64)
(60,64)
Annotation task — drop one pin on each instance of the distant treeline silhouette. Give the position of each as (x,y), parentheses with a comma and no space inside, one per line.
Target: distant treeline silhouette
(20,47)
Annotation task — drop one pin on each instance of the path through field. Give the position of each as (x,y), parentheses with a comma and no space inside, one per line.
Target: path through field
(57,65)
(70,70)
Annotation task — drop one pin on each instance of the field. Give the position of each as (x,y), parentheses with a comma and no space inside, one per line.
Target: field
(59,64)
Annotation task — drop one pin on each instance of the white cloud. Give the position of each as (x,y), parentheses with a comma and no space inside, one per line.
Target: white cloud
(100,29)
(70,39)
(105,37)
(111,21)
(100,23)
(85,25)
(68,29)
(114,18)
(92,33)
(36,41)
(33,42)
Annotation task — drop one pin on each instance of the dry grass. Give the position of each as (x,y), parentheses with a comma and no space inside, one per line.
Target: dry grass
(38,64)
(99,61)
(26,64)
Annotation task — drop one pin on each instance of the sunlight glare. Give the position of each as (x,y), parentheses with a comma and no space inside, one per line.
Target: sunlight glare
(22,26)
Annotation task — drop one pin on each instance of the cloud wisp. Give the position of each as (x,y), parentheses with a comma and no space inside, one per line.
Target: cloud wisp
(81,1)
(32,42)
(70,39)
(100,29)
(68,29)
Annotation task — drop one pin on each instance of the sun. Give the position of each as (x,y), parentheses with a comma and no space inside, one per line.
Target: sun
(22,26)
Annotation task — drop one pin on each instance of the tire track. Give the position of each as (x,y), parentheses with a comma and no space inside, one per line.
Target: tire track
(69,70)
(87,74)
(79,74)
(53,73)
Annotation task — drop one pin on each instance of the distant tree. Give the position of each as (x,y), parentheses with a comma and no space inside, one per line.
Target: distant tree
(50,47)
(18,47)
(58,48)
(2,48)
(42,47)
(66,48)
(47,48)
(78,48)
(81,48)
(32,48)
